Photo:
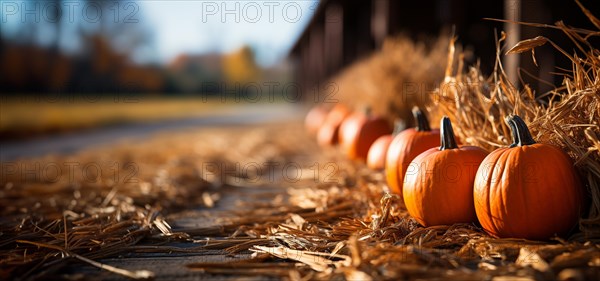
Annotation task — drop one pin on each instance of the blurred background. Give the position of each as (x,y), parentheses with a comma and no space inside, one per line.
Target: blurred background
(72,64)
(144,46)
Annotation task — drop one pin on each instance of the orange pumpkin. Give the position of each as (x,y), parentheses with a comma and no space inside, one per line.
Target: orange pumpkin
(405,147)
(328,134)
(359,131)
(315,118)
(378,151)
(528,190)
(438,186)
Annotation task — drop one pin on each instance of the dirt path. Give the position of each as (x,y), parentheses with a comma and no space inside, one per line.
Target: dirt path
(73,142)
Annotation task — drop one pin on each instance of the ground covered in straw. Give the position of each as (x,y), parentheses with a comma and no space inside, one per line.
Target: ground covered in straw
(256,202)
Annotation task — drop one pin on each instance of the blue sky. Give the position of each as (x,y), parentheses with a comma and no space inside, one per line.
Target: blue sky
(271,27)
(175,26)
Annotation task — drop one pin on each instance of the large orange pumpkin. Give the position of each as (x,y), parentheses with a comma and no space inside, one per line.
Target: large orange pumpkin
(438,186)
(359,131)
(315,118)
(328,134)
(378,151)
(528,190)
(405,147)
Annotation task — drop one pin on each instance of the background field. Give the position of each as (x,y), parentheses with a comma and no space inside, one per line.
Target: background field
(22,117)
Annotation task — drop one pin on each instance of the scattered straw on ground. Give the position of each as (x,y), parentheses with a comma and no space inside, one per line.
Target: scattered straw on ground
(329,224)
(335,224)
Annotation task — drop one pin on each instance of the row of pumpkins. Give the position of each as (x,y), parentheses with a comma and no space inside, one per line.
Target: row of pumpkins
(527,190)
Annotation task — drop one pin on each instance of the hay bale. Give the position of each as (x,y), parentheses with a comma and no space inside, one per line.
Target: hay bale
(396,78)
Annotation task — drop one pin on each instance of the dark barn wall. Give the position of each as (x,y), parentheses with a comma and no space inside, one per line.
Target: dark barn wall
(549,60)
(342,32)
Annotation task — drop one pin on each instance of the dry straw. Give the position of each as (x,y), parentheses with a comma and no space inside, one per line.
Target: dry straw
(105,202)
(395,78)
(568,116)
(346,226)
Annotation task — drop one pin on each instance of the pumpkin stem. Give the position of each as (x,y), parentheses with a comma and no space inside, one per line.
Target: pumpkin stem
(447,134)
(367,111)
(399,126)
(421,120)
(520,132)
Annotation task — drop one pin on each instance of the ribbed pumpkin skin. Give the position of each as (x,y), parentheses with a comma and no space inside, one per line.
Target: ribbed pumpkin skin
(378,152)
(328,134)
(359,131)
(438,188)
(529,192)
(403,149)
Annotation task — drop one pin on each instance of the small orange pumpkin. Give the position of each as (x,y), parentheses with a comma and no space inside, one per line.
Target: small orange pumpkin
(528,190)
(438,186)
(315,118)
(406,146)
(328,134)
(359,131)
(378,151)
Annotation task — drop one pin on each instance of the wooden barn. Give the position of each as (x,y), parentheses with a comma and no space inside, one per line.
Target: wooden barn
(342,32)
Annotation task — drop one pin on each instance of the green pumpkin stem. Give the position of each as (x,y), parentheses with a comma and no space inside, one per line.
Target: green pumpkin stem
(520,132)
(399,126)
(421,120)
(447,134)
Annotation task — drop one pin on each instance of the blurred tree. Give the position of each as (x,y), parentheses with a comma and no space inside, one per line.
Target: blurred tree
(192,73)
(240,66)
(54,15)
(109,46)
(118,24)
(59,67)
